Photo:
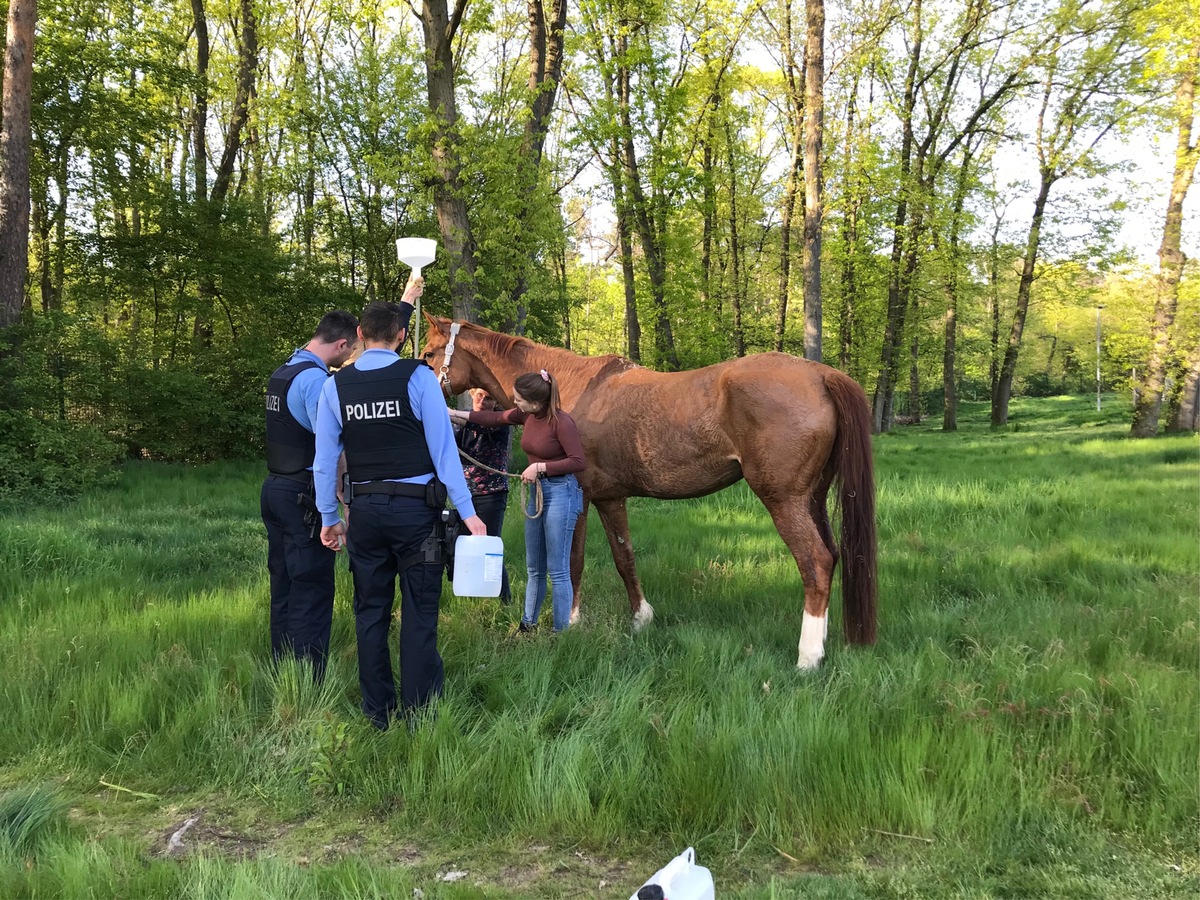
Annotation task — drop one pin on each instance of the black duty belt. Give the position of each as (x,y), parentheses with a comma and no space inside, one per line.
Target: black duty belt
(305,483)
(392,488)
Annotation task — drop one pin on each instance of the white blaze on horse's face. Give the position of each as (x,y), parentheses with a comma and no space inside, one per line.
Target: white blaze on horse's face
(812,640)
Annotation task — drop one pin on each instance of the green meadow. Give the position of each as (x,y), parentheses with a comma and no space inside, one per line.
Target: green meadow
(1026,726)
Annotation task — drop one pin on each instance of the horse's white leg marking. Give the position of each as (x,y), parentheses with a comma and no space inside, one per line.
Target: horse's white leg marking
(575,615)
(812,640)
(644,615)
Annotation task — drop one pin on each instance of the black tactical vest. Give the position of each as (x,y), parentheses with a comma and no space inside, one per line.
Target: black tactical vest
(382,437)
(290,446)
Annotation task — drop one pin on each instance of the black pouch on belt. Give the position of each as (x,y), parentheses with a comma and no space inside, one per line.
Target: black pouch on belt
(435,493)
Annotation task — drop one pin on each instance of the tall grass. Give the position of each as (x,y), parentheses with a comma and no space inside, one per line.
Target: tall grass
(1026,724)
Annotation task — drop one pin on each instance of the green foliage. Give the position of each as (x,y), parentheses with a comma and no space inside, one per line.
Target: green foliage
(328,768)
(50,449)
(167,315)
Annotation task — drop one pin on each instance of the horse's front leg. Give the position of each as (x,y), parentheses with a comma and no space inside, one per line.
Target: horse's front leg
(578,545)
(616,526)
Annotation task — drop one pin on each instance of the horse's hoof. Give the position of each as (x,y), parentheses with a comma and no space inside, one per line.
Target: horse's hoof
(808,663)
(643,617)
(575,617)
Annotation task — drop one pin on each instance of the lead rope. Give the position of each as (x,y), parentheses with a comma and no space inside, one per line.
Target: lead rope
(538,500)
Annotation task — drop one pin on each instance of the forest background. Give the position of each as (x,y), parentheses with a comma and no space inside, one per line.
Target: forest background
(944,198)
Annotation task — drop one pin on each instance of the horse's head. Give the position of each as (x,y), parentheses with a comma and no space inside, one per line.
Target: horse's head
(461,368)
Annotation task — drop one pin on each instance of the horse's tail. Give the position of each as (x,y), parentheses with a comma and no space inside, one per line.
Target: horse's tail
(855,473)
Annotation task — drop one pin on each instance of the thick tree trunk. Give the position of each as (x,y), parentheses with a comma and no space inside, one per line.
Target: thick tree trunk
(1183,407)
(1170,257)
(1002,393)
(546,35)
(814,125)
(448,191)
(15,108)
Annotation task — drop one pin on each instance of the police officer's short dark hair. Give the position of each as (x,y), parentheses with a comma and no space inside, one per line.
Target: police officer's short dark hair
(382,321)
(337,326)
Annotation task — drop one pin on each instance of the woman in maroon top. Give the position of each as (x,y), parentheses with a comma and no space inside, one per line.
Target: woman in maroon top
(551,441)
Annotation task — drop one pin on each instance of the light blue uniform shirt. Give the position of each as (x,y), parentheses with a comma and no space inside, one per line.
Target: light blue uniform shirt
(304,394)
(425,398)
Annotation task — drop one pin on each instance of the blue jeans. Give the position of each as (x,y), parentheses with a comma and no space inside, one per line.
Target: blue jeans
(548,548)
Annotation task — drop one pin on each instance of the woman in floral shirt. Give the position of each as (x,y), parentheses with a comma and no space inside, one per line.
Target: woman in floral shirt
(489,491)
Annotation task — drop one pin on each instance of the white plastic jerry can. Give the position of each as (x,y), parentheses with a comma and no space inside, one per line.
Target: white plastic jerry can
(680,879)
(478,565)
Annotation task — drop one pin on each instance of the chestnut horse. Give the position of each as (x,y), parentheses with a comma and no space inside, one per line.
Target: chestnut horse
(786,425)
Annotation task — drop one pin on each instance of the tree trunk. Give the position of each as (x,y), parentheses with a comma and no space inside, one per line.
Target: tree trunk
(448,190)
(850,210)
(645,219)
(247,70)
(206,281)
(994,286)
(211,207)
(950,281)
(814,124)
(633,328)
(545,73)
(1003,390)
(1184,405)
(897,302)
(708,227)
(735,250)
(1171,258)
(795,108)
(915,410)
(15,107)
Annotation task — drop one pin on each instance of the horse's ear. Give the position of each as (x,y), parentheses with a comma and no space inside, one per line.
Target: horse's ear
(433,323)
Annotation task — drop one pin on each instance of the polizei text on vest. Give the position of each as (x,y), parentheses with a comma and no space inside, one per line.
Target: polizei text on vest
(377,409)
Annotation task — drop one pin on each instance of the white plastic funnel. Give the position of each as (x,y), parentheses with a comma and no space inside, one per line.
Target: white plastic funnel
(416,252)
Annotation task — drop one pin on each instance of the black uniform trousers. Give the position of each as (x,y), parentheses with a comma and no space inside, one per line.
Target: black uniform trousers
(490,508)
(383,531)
(301,573)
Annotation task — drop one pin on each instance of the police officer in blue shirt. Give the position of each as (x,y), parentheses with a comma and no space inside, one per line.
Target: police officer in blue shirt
(299,565)
(389,417)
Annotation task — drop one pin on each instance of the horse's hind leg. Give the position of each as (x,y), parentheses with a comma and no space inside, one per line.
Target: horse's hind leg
(616,525)
(578,545)
(808,538)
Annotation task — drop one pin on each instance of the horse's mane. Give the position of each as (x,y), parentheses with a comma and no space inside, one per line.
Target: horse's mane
(503,345)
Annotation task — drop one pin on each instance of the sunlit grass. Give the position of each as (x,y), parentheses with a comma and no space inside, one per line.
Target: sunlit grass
(1026,724)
